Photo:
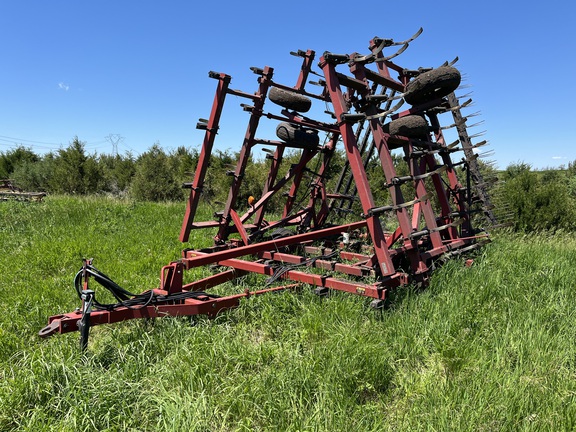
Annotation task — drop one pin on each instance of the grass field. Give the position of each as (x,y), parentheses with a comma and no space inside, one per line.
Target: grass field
(486,348)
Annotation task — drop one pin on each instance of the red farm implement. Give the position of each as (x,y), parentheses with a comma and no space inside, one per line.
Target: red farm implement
(404,199)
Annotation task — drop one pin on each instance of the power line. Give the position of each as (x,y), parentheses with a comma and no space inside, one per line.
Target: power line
(15,144)
(18,142)
(6,138)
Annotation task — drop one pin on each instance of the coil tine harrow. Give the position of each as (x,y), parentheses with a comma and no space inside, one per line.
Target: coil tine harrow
(399,206)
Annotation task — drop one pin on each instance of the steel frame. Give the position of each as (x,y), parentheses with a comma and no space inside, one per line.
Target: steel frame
(430,226)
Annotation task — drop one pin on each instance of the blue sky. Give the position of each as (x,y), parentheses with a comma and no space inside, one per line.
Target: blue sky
(139,69)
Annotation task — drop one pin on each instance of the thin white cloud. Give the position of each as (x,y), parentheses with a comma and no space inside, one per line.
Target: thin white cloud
(63,86)
(559,157)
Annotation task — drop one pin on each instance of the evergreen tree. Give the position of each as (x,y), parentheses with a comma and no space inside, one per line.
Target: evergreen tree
(74,172)
(10,160)
(154,179)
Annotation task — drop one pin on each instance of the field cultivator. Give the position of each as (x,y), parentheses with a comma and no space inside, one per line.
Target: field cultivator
(406,194)
(9,191)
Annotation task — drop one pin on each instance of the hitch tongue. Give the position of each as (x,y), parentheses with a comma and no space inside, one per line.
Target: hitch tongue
(50,329)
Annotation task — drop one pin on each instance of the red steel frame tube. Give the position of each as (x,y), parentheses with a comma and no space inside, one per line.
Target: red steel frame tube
(357,167)
(265,81)
(203,160)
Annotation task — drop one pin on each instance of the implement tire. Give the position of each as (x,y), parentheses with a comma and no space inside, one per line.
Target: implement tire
(299,137)
(290,100)
(412,126)
(431,85)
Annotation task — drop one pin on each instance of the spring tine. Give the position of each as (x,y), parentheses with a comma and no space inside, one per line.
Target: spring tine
(382,43)
(480,144)
(474,114)
(465,160)
(369,58)
(379,210)
(389,98)
(411,203)
(431,173)
(450,225)
(455,124)
(420,153)
(413,37)
(475,124)
(446,63)
(478,134)
(486,153)
(396,54)
(462,105)
(464,96)
(385,113)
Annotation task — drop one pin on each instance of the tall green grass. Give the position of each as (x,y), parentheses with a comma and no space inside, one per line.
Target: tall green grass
(490,347)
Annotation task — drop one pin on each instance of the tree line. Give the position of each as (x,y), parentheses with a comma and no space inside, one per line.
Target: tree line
(528,199)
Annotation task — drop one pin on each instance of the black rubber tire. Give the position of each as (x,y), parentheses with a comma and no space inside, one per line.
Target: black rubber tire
(412,126)
(279,233)
(431,85)
(300,137)
(290,100)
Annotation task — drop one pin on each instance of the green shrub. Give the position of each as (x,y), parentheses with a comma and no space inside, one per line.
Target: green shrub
(10,160)
(538,200)
(118,172)
(154,179)
(34,176)
(74,172)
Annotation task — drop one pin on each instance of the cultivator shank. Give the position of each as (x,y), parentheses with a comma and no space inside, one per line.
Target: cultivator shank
(365,190)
